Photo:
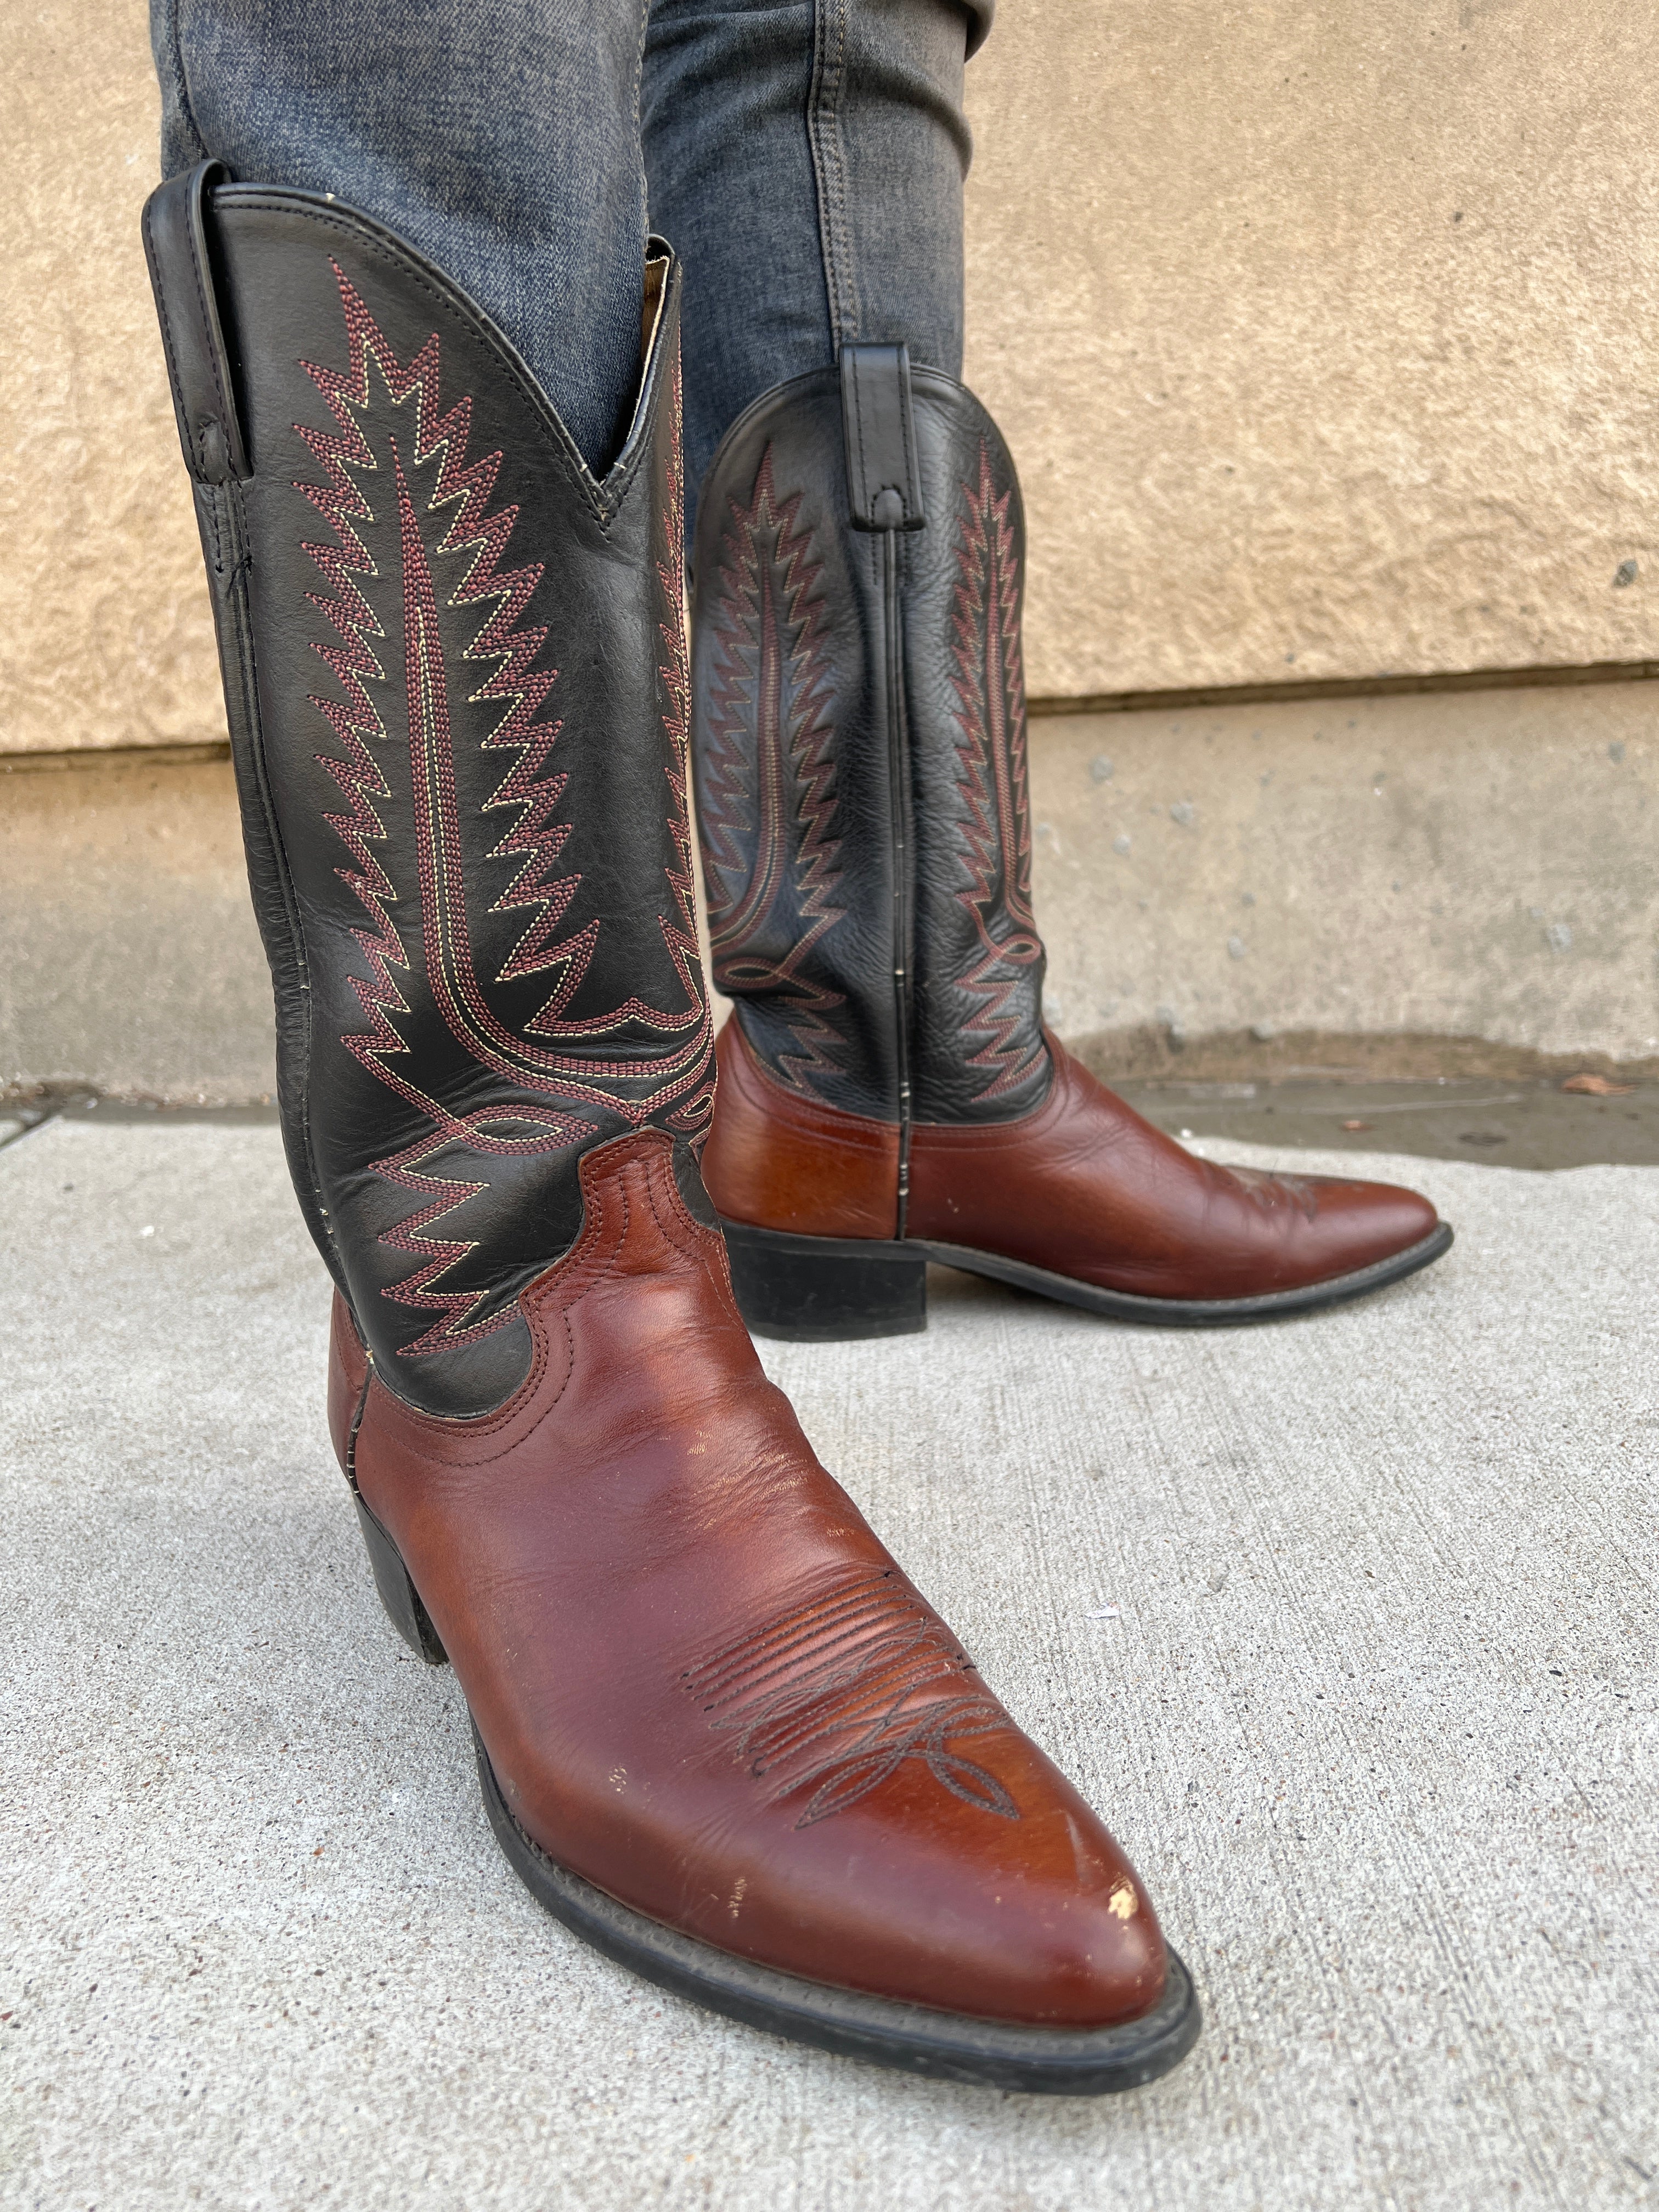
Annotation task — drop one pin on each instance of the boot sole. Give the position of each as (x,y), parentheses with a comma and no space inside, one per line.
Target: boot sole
(819,1289)
(945,2046)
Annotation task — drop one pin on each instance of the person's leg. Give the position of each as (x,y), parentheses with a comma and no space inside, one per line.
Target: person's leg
(501,139)
(888,1089)
(806,158)
(456,685)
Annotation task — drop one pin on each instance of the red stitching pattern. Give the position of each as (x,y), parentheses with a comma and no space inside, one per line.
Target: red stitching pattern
(770,733)
(990,687)
(522,690)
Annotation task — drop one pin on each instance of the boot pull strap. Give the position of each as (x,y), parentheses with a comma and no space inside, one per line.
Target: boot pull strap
(198,365)
(884,481)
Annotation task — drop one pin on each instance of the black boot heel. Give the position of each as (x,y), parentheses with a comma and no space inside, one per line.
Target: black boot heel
(823,1290)
(398,1593)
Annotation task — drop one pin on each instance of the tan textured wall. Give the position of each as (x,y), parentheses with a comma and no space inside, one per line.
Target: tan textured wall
(1476,865)
(130,956)
(1324,331)
(105,638)
(1278,412)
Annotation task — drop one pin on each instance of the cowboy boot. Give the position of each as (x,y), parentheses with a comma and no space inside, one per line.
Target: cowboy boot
(888,1093)
(718,1732)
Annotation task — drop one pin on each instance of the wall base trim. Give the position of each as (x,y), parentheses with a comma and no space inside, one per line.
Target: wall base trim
(1349,687)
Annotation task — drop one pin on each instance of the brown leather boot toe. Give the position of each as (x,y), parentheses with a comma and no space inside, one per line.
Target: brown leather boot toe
(1084,1189)
(719,1731)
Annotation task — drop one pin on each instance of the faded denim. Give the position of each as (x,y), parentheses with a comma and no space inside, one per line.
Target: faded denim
(805,157)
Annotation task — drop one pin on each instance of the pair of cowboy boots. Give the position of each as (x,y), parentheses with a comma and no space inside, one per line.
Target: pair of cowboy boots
(719,1734)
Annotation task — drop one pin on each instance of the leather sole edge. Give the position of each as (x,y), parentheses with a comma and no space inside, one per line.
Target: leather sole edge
(913,2039)
(1201,1313)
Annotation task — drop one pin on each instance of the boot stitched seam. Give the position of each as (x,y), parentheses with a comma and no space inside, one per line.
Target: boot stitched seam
(248,654)
(716,1262)
(680,1221)
(567,1281)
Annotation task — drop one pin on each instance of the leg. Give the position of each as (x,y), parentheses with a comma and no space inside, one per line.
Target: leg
(807,157)
(501,139)
(456,682)
(888,1092)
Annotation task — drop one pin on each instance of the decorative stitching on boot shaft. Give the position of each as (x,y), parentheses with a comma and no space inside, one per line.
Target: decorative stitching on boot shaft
(989,684)
(674,1080)
(769,794)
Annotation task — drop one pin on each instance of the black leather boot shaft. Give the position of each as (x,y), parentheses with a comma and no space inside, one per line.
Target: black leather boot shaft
(860,733)
(455,677)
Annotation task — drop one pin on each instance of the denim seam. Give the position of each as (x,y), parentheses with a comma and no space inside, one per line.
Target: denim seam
(639,126)
(830,168)
(176,60)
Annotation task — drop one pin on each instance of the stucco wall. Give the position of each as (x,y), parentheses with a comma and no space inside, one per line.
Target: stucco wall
(1476,865)
(1321,330)
(105,638)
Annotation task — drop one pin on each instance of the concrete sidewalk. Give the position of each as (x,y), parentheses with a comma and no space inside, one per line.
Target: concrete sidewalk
(1375,1716)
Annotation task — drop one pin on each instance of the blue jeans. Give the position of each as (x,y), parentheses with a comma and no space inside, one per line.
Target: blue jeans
(804,157)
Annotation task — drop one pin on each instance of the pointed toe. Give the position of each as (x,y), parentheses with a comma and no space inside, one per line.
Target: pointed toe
(1090,1959)
(1360,1224)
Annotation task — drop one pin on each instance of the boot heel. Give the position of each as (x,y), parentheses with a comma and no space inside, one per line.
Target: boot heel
(398,1593)
(821,1290)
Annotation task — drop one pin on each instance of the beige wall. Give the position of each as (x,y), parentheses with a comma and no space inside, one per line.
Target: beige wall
(1268,399)
(1478,864)
(130,958)
(105,638)
(1279,414)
